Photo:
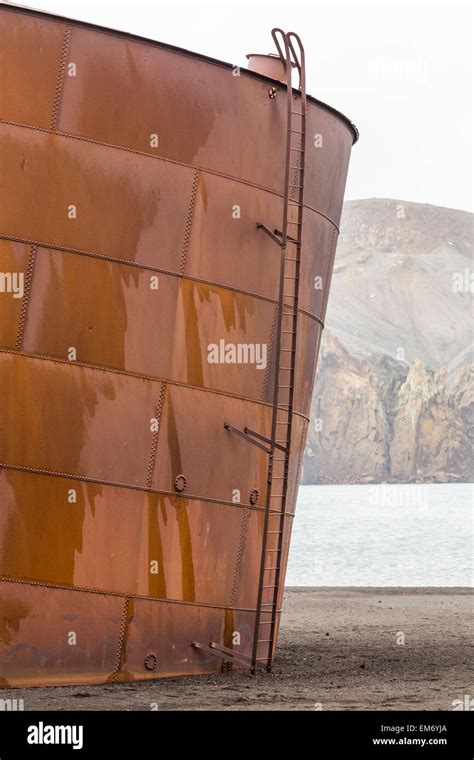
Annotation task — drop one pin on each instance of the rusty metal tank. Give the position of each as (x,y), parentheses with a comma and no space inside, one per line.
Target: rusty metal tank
(166,249)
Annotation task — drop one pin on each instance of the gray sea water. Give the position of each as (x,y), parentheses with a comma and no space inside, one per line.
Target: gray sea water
(383,535)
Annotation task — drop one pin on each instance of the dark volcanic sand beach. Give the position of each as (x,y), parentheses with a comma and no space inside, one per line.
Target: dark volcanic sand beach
(337,651)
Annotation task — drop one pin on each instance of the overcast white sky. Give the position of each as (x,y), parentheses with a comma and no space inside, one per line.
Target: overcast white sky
(401,71)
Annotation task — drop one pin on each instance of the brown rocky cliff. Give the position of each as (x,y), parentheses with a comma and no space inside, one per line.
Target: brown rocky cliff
(394,398)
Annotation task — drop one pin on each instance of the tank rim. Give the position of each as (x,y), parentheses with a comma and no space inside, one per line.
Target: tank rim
(175,49)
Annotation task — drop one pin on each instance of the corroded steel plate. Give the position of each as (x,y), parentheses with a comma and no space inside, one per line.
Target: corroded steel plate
(138,318)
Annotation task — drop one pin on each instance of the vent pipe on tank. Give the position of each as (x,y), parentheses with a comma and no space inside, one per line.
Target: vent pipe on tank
(270,65)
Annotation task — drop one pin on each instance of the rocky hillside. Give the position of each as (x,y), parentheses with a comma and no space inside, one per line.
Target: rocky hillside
(394,392)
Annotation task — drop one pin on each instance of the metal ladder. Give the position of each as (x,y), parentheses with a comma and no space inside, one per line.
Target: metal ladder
(289,240)
(278,446)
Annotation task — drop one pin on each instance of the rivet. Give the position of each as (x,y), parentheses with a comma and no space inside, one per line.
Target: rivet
(151,661)
(254,495)
(180,483)
(272,92)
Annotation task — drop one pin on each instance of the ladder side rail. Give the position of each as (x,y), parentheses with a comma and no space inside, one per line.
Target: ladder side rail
(275,32)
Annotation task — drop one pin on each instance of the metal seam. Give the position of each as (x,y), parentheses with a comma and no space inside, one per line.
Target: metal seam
(331,258)
(182,52)
(132,487)
(167,160)
(149,268)
(238,561)
(154,442)
(232,288)
(312,316)
(60,79)
(129,373)
(119,594)
(26,296)
(299,465)
(137,265)
(269,359)
(121,640)
(189,221)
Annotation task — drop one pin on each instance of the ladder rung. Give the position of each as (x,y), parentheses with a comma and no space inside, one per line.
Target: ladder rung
(294,197)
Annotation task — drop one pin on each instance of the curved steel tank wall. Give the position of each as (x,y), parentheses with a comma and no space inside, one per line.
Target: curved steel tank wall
(134,260)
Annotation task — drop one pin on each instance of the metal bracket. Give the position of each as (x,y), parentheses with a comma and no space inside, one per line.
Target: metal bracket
(264,438)
(220,651)
(288,238)
(245,435)
(276,235)
(272,235)
(250,435)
